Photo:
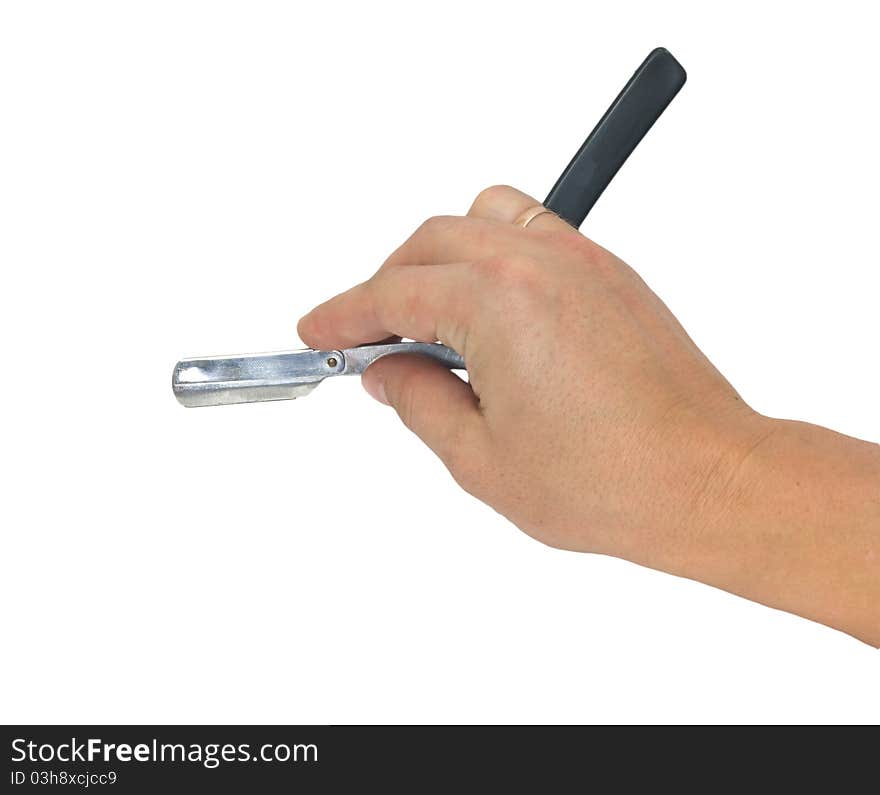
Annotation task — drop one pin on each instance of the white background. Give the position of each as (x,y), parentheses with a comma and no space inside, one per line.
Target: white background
(181,178)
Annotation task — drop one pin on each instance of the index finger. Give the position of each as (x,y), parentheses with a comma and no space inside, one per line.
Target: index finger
(430,303)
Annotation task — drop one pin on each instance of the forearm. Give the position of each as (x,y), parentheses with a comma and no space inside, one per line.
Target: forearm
(798,529)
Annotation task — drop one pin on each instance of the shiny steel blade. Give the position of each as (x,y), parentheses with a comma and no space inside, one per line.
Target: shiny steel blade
(284,375)
(250,377)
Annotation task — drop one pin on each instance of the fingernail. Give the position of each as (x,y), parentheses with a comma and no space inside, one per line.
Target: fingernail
(375,389)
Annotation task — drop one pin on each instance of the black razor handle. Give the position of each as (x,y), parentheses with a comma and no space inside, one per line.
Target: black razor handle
(642,101)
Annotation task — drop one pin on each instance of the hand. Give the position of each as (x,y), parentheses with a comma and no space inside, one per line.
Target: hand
(591,420)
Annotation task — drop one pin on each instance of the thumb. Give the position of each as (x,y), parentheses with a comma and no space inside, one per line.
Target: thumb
(433,403)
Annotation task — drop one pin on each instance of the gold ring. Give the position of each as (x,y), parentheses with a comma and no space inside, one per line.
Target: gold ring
(527,216)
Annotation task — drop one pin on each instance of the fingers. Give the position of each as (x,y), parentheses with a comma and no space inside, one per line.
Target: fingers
(431,306)
(504,204)
(450,238)
(486,231)
(425,304)
(434,404)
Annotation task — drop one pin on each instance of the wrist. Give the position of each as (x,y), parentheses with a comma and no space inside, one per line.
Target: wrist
(696,485)
(794,524)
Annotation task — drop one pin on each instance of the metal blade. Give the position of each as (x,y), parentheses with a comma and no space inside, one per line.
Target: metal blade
(285,375)
(251,377)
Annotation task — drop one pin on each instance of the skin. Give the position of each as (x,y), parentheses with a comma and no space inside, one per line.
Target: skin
(628,442)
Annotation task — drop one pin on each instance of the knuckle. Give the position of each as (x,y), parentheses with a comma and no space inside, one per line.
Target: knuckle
(517,272)
(436,225)
(489,197)
(397,306)
(573,244)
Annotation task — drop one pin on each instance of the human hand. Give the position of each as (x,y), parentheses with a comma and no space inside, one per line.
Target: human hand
(591,420)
